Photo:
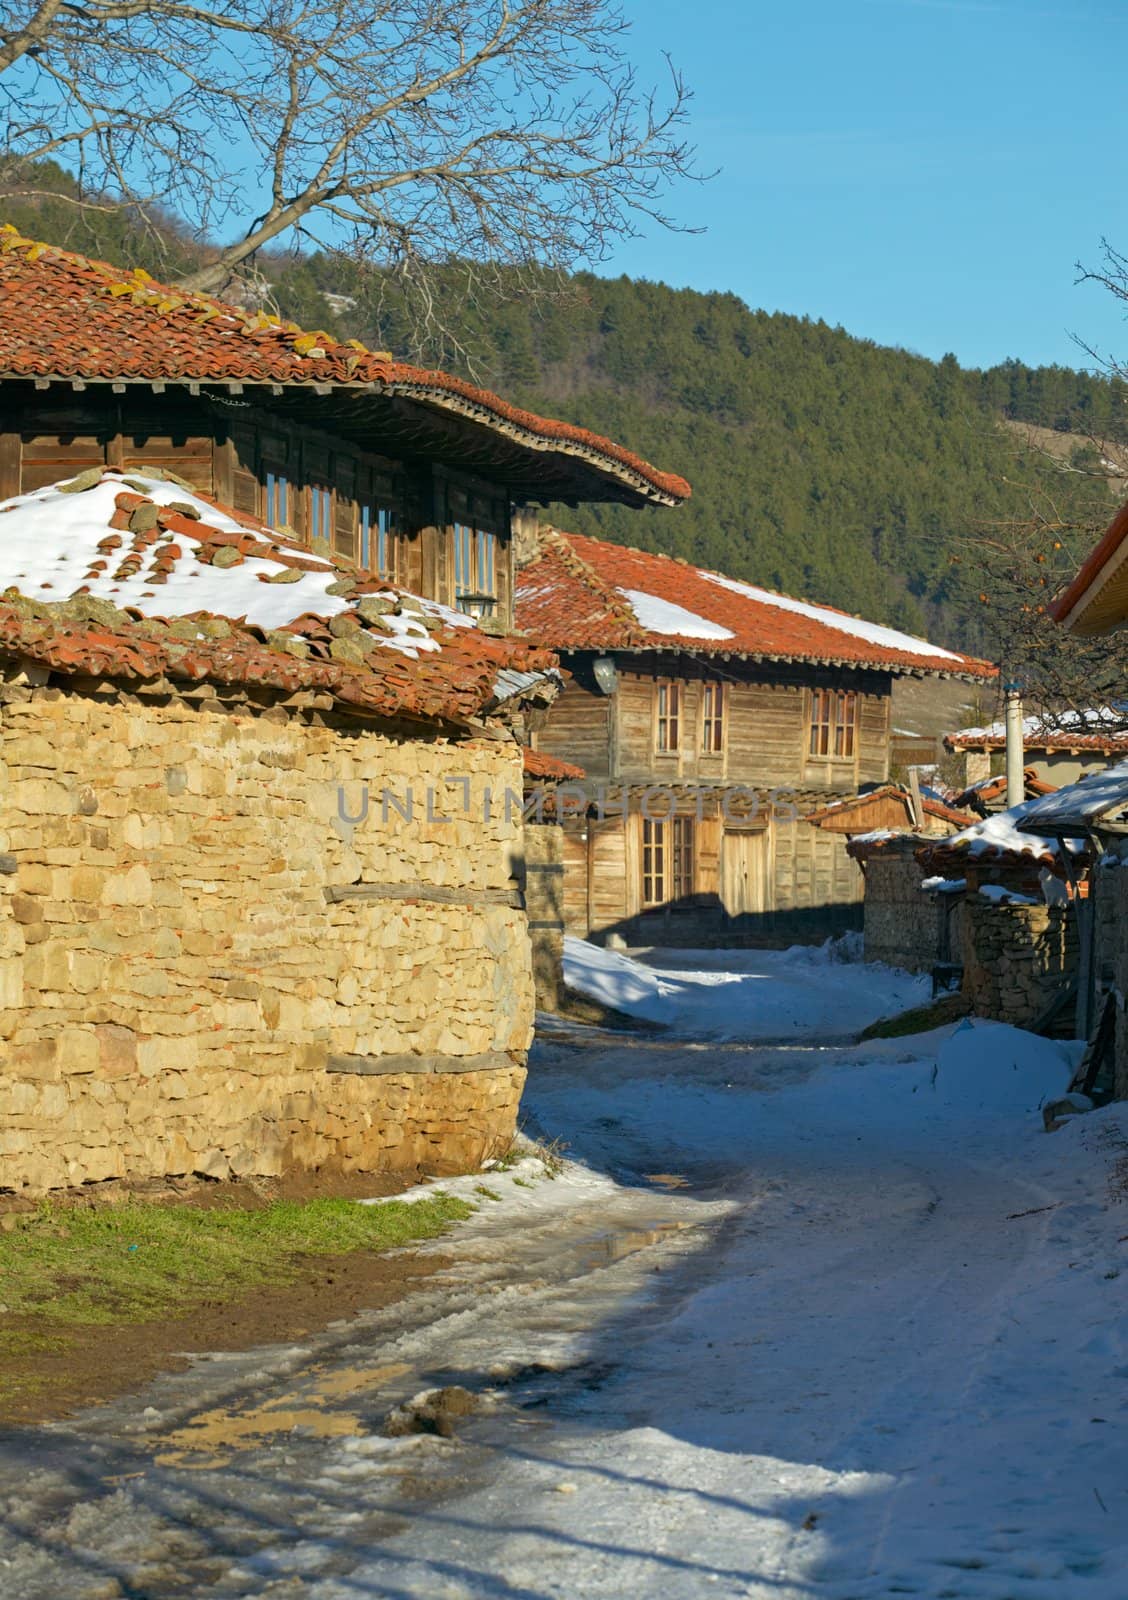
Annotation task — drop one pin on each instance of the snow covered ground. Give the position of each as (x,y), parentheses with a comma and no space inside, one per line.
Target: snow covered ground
(808,991)
(801,1321)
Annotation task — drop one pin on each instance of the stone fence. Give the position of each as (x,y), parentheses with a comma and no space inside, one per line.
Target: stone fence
(904,926)
(1016,957)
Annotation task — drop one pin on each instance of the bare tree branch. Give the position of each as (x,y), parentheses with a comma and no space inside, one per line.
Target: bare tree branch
(506,135)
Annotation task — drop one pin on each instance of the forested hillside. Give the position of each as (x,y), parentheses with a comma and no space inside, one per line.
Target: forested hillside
(821,464)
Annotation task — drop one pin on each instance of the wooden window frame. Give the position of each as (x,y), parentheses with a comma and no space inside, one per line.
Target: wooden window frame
(668,861)
(667,717)
(277,491)
(475,559)
(712,717)
(833,725)
(377,536)
(322,509)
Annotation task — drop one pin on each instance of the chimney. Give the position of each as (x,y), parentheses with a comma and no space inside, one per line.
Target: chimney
(1016,755)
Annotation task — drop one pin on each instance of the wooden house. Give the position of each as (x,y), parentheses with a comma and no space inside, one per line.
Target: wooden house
(711,717)
(409,475)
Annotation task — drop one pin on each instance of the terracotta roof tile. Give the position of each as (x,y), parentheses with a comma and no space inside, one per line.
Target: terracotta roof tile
(583,593)
(540,765)
(371,647)
(65,315)
(858,802)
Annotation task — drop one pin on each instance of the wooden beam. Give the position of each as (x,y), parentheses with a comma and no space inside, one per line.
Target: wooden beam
(381,1066)
(425,891)
(11,461)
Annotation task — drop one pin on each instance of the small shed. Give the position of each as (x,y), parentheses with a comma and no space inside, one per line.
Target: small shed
(889,807)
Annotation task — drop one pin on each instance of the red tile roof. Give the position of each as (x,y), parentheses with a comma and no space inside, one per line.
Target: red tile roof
(64,315)
(978,794)
(375,649)
(1064,736)
(550,769)
(1096,573)
(572,598)
(839,809)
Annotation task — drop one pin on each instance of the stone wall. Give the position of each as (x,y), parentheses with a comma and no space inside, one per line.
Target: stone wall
(203,968)
(544,903)
(904,926)
(1110,910)
(1016,957)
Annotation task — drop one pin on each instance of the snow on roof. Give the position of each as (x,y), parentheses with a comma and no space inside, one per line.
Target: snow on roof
(663,616)
(56,542)
(131,575)
(1101,798)
(871,632)
(1098,728)
(581,593)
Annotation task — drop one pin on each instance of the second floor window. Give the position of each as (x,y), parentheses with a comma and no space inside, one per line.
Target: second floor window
(713,718)
(834,715)
(320,514)
(668,731)
(475,561)
(277,509)
(377,541)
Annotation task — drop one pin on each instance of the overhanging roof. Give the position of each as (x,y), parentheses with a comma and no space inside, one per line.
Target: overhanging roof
(67,319)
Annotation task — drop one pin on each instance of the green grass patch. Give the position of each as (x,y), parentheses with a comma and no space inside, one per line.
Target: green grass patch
(69,1268)
(490,1194)
(948,1008)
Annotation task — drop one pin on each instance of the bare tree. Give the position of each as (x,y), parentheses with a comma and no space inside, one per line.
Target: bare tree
(509,133)
(1012,570)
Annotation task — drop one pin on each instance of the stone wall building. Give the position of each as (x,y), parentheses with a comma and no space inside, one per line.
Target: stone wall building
(259,897)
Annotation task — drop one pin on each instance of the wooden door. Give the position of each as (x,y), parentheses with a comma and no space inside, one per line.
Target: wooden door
(745,867)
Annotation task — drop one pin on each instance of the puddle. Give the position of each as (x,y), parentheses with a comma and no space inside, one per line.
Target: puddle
(615,1244)
(210,1439)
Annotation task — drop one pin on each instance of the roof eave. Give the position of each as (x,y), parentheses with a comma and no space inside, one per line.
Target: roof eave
(642,490)
(707,648)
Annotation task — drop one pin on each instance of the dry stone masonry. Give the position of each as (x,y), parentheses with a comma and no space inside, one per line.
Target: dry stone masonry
(203,968)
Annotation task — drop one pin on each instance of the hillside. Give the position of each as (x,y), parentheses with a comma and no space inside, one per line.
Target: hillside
(820,463)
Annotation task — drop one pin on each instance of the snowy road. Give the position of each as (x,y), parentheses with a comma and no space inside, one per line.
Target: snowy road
(799,1321)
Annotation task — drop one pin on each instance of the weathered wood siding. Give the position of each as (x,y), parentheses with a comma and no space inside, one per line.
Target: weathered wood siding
(227,450)
(579,730)
(767,722)
(807,886)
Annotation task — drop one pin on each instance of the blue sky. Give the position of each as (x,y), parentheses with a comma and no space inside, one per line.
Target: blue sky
(924,172)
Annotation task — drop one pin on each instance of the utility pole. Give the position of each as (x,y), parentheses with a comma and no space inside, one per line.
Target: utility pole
(1016,755)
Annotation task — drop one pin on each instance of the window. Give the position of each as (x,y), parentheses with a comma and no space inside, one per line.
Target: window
(377,541)
(463,558)
(276,513)
(834,715)
(475,560)
(668,716)
(667,860)
(713,720)
(320,514)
